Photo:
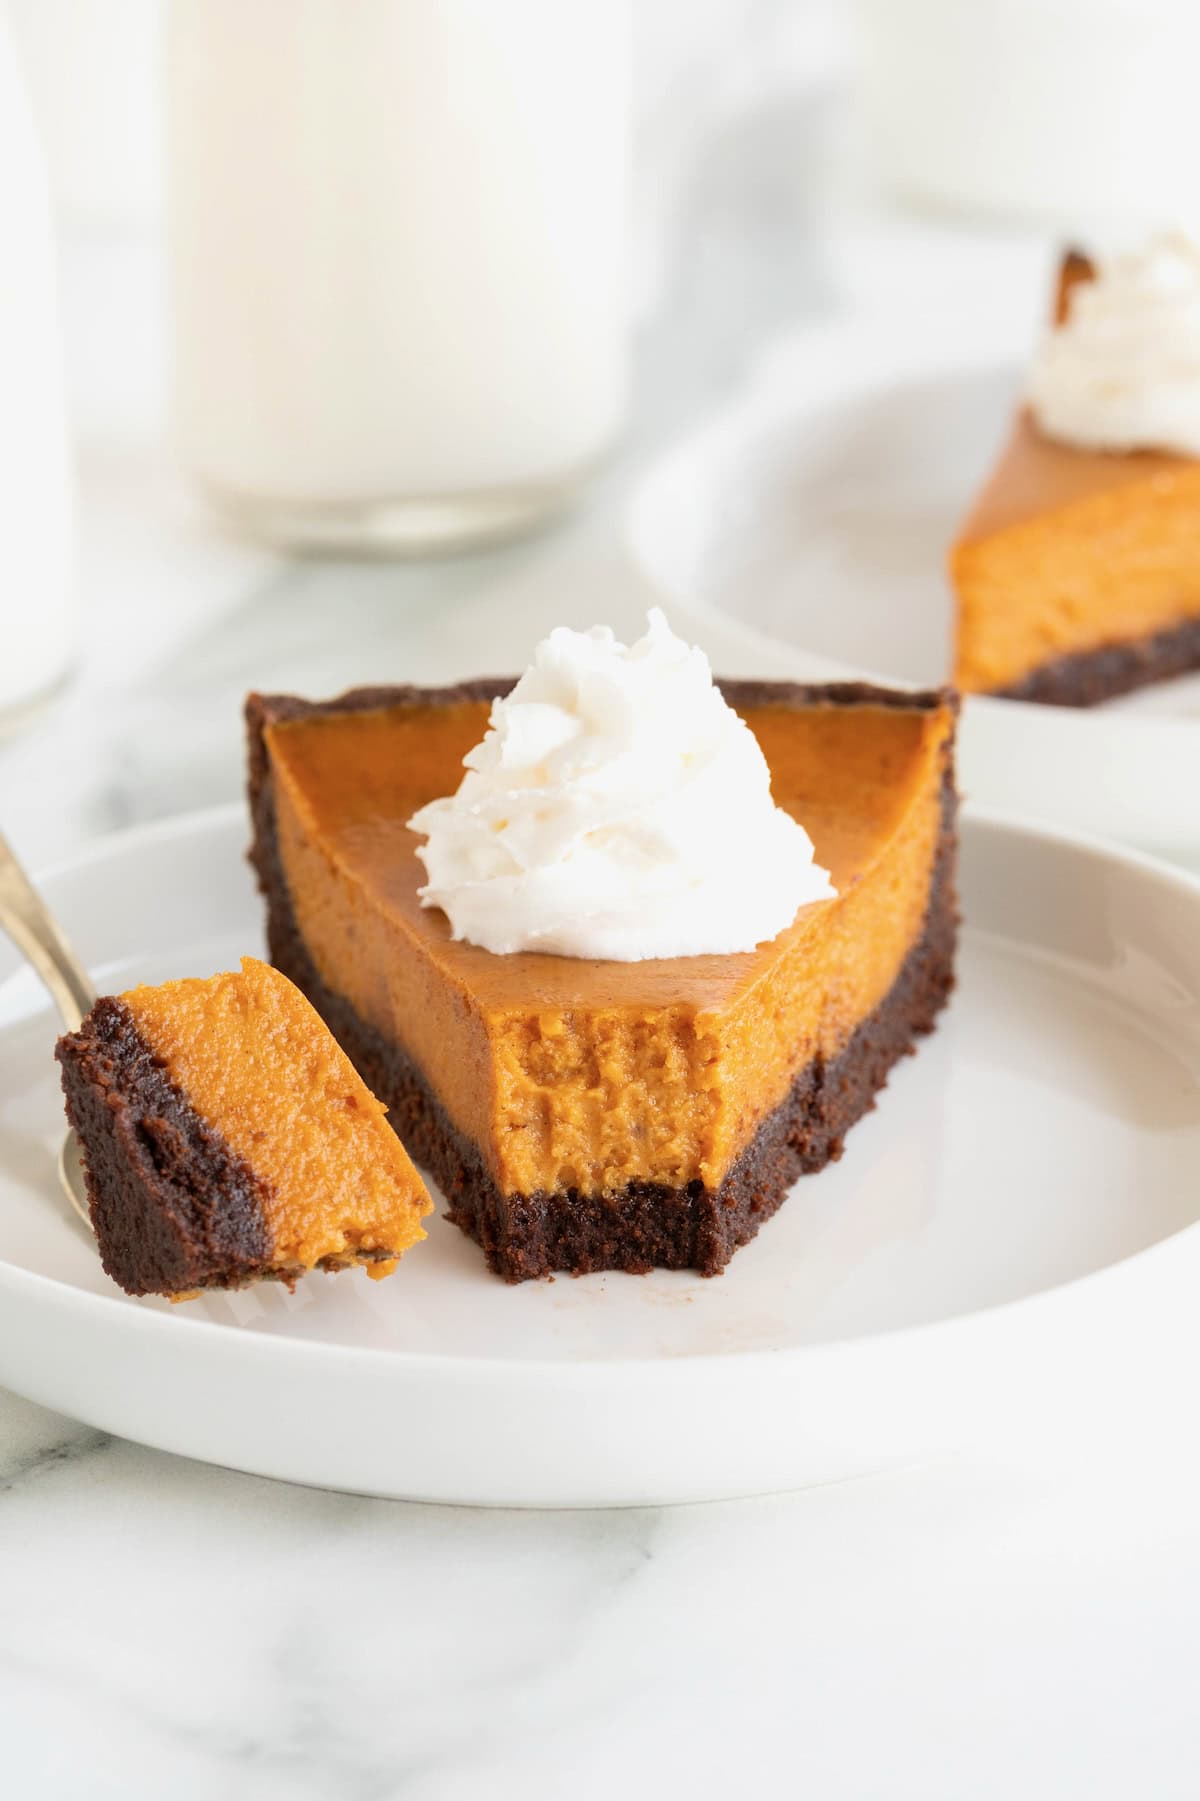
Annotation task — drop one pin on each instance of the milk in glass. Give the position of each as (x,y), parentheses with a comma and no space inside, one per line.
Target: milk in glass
(397,232)
(35,476)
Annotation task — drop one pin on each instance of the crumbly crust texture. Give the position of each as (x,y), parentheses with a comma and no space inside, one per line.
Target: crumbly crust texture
(173,1208)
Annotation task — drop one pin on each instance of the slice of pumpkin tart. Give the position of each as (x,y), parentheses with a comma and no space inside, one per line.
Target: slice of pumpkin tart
(1077,570)
(585,1114)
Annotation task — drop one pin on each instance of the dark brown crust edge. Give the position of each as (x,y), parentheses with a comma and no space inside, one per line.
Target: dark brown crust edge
(271,709)
(647,1225)
(173,1207)
(1092,676)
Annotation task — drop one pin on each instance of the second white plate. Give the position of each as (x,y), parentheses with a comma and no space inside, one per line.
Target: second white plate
(817,511)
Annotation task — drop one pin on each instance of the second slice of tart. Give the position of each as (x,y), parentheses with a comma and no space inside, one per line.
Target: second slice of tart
(584,1115)
(1077,570)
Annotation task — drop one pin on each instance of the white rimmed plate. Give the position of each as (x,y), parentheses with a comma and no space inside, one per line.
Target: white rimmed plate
(1010,1233)
(816,510)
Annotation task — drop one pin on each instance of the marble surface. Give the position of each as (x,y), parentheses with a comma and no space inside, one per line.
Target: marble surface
(987,1628)
(1016,1621)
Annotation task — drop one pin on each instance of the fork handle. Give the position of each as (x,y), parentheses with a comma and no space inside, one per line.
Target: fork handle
(29,922)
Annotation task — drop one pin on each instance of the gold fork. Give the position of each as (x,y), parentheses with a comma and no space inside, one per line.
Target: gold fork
(29,922)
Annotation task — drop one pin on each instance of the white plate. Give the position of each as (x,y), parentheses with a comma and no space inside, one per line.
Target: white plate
(817,510)
(974,1252)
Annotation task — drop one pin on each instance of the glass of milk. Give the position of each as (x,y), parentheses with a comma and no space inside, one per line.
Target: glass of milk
(36,602)
(1080,114)
(397,256)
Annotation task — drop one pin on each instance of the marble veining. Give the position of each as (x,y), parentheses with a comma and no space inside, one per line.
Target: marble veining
(23,1463)
(984,1627)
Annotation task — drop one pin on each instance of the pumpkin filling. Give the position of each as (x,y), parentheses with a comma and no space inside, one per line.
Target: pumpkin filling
(254,1061)
(589,1076)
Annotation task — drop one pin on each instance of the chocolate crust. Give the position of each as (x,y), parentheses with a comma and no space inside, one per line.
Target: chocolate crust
(646,1225)
(173,1207)
(263,710)
(1097,675)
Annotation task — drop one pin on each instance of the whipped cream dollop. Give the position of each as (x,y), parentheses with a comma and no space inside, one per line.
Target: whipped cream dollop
(617,808)
(1123,370)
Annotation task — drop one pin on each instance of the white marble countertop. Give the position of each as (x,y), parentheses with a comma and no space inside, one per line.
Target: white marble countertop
(1020,1621)
(988,1628)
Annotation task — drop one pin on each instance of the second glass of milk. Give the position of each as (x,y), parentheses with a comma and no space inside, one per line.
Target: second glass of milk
(397,260)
